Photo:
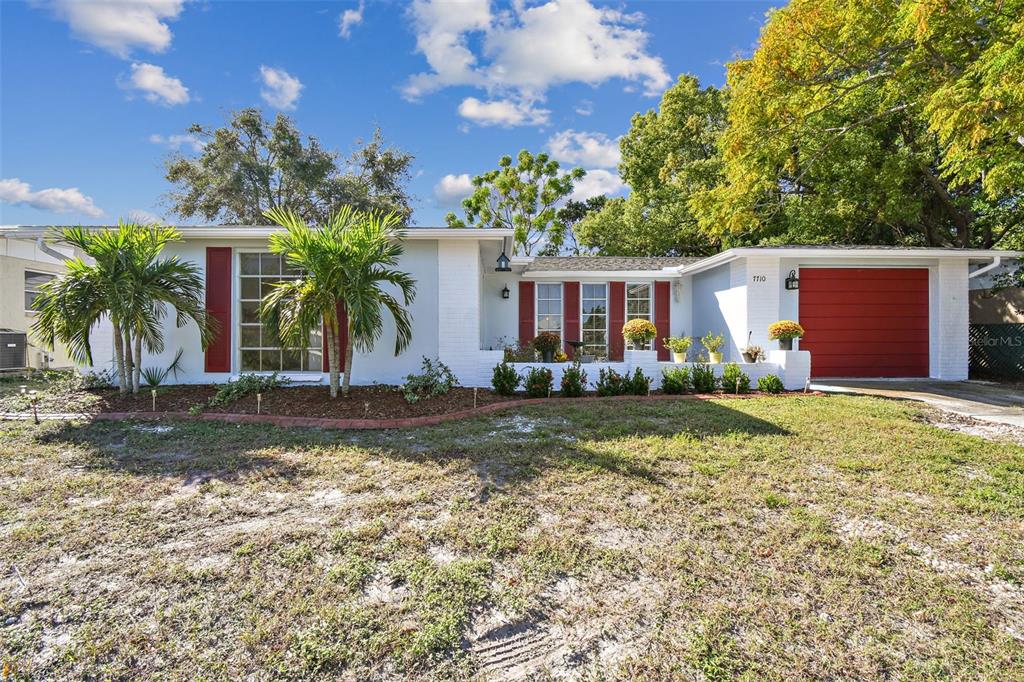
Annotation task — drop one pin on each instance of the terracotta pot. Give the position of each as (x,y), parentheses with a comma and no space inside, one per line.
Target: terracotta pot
(716,358)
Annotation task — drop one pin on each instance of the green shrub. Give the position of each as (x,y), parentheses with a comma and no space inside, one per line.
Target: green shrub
(734,380)
(703,377)
(435,379)
(676,380)
(520,351)
(505,380)
(574,381)
(246,384)
(770,383)
(610,382)
(638,384)
(538,382)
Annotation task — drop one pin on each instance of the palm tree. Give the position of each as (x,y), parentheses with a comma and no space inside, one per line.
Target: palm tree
(347,263)
(128,283)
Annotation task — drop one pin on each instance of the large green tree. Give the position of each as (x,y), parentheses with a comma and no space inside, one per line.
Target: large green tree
(523,196)
(351,261)
(125,280)
(252,165)
(876,121)
(669,159)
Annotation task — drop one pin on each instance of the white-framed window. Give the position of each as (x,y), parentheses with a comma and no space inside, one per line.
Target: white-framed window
(594,319)
(34,282)
(259,348)
(549,309)
(638,305)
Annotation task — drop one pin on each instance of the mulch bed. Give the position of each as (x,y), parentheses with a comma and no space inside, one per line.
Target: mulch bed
(364,402)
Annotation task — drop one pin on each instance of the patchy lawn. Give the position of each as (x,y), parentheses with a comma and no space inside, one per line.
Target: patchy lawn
(836,537)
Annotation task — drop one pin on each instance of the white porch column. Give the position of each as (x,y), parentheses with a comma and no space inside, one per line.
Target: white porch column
(458,308)
(950,313)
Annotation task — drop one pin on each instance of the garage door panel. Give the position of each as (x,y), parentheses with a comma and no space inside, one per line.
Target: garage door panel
(860,324)
(874,310)
(865,322)
(854,297)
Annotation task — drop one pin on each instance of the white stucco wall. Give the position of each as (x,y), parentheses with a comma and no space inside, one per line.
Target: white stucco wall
(717,304)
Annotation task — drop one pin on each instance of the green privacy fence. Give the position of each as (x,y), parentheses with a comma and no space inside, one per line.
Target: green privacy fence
(997,350)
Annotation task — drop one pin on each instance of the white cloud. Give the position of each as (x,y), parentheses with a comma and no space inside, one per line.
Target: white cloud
(585,107)
(527,49)
(280,90)
(349,19)
(71,200)
(597,182)
(452,189)
(595,150)
(143,216)
(155,85)
(176,142)
(502,112)
(118,26)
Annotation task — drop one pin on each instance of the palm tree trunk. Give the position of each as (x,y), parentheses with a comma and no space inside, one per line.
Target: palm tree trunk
(137,374)
(348,366)
(122,379)
(332,355)
(129,364)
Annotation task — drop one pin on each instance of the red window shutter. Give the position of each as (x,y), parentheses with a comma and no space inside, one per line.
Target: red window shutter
(342,341)
(662,316)
(218,307)
(616,318)
(572,315)
(527,319)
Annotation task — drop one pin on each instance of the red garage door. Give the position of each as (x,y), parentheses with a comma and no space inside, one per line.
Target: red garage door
(865,322)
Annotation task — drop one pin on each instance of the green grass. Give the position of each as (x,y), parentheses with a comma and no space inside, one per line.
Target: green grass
(789,538)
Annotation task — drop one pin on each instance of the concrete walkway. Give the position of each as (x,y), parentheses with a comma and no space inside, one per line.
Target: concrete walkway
(999,403)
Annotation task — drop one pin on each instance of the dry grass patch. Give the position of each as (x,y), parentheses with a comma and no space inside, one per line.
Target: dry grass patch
(772,539)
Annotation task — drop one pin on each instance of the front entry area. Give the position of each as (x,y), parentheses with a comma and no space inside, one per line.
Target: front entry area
(865,322)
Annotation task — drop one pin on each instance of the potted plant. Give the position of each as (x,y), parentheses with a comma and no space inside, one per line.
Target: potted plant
(752,353)
(678,345)
(713,343)
(546,344)
(639,332)
(785,331)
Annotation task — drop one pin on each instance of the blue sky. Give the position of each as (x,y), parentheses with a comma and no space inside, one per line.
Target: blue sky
(95,95)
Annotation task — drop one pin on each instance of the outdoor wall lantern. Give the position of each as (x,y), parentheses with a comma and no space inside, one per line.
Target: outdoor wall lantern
(792,282)
(503,263)
(505,292)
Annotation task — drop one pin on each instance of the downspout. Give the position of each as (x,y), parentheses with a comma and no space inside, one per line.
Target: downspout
(996,262)
(42,245)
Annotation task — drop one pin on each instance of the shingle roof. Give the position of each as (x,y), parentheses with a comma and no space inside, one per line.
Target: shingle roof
(605,263)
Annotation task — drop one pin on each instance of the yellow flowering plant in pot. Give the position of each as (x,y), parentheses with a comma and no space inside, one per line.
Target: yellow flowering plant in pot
(639,332)
(678,345)
(784,331)
(713,343)
(546,344)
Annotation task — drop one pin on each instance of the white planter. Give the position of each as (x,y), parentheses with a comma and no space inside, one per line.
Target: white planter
(715,358)
(679,358)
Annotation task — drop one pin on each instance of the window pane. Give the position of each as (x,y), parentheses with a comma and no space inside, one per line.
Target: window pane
(30,297)
(291,360)
(34,280)
(270,264)
(593,291)
(250,361)
(315,361)
(638,291)
(250,336)
(250,311)
(289,270)
(270,360)
(250,288)
(267,285)
(250,263)
(593,307)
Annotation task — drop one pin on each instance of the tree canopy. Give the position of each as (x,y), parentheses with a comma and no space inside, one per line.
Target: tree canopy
(669,158)
(525,197)
(252,165)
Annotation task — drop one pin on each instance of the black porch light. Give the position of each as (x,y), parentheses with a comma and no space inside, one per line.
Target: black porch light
(792,282)
(504,265)
(505,292)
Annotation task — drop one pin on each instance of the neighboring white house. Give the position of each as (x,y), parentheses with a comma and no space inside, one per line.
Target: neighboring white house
(868,311)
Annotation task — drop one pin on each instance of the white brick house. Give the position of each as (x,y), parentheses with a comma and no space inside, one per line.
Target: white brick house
(868,311)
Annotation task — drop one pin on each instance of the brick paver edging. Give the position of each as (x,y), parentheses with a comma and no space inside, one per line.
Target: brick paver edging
(406,422)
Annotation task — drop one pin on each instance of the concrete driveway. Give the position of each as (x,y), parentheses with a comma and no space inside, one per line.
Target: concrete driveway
(999,403)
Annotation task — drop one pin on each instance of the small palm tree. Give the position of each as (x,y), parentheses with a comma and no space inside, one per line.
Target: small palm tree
(346,264)
(128,283)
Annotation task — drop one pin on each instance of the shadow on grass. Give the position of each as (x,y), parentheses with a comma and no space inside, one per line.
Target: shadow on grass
(502,450)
